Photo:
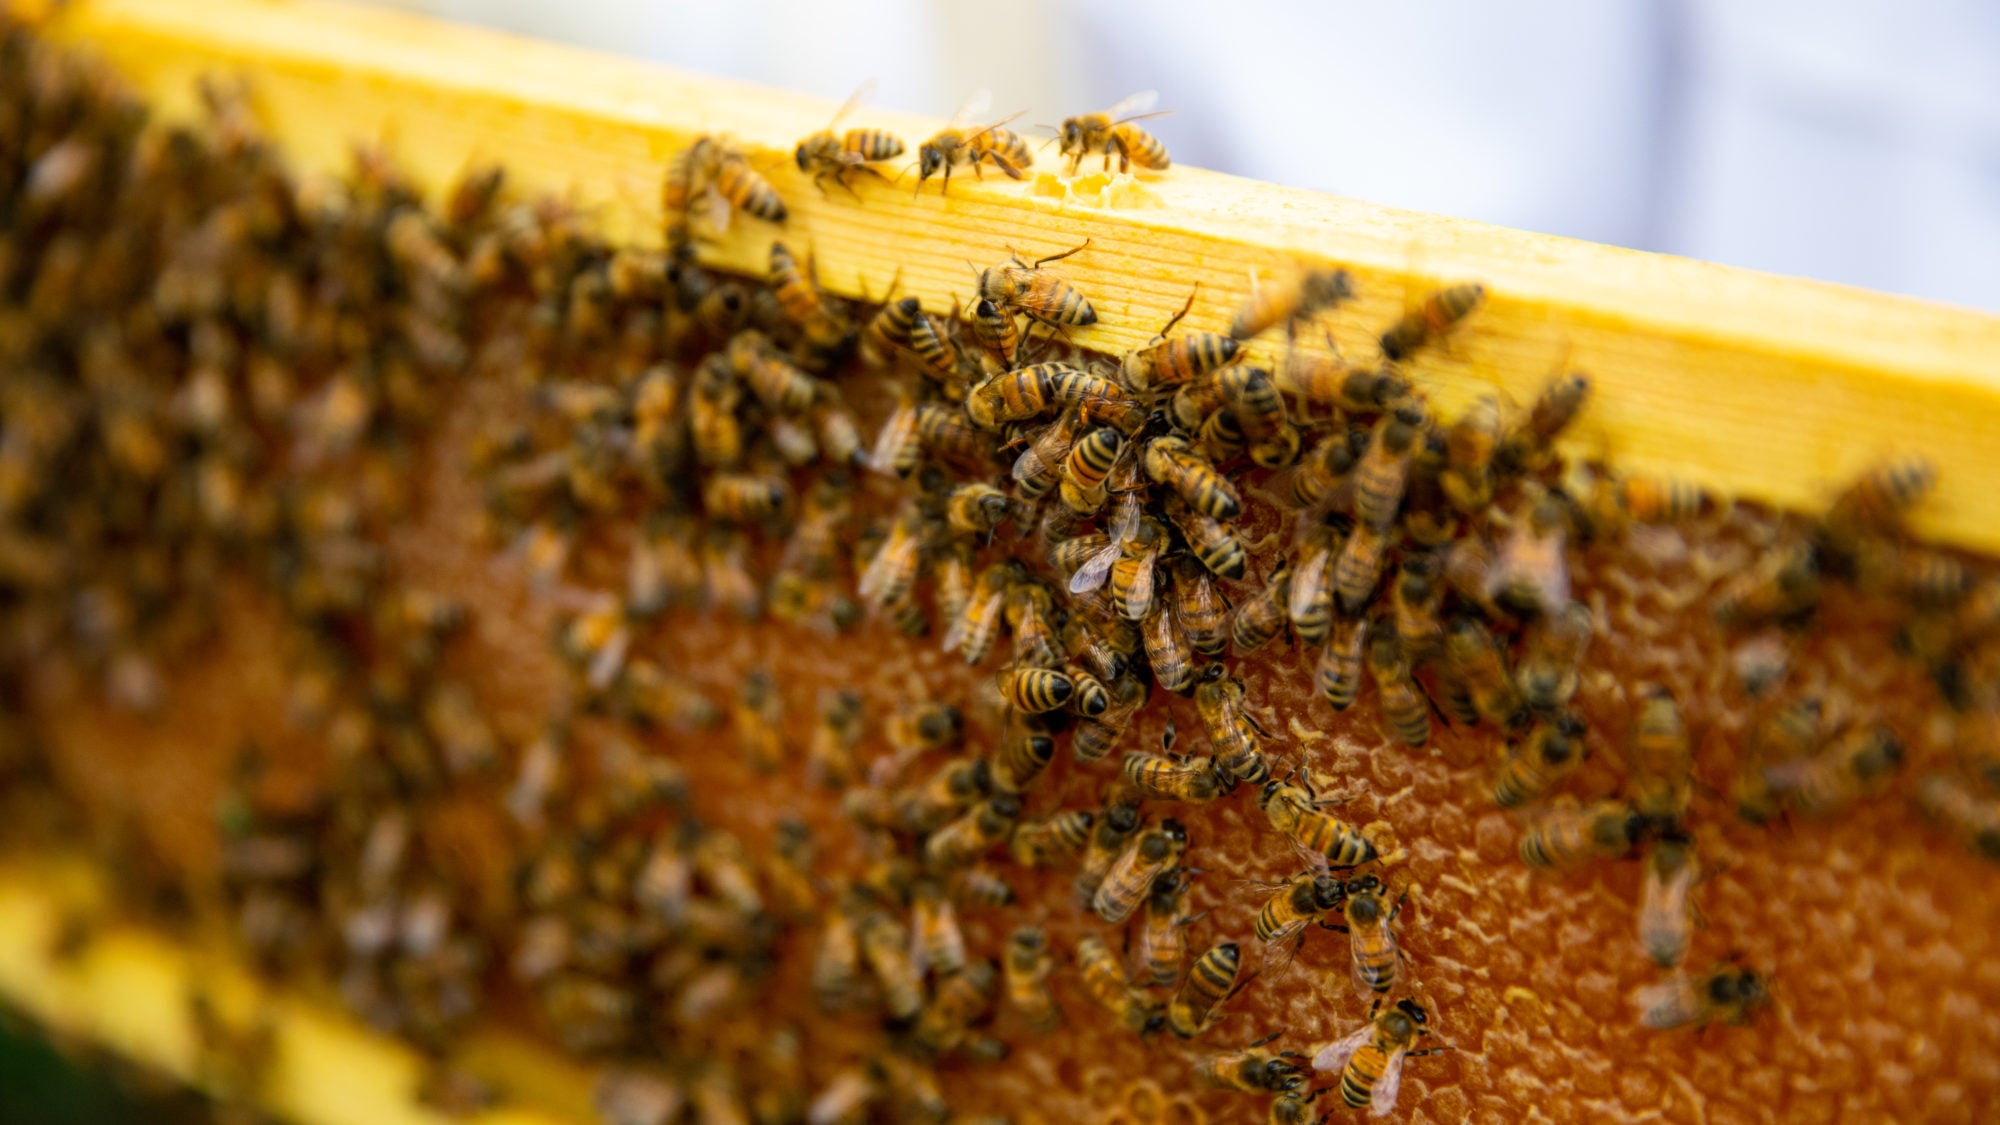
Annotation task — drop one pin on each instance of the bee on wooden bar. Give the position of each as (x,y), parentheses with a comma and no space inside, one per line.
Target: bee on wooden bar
(1371,1058)
(1054,840)
(1882,496)
(959,144)
(1259,619)
(1163,932)
(1253,1069)
(997,331)
(722,177)
(1292,302)
(1113,131)
(1341,661)
(1028,966)
(1125,886)
(1854,765)
(1538,763)
(1729,992)
(1571,834)
(826,154)
(1160,778)
(1104,981)
(1467,478)
(1038,295)
(1293,810)
(1403,703)
(1527,447)
(1952,804)
(1167,362)
(1210,982)
(1434,319)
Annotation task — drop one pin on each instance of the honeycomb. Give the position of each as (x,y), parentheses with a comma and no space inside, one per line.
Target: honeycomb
(1875,953)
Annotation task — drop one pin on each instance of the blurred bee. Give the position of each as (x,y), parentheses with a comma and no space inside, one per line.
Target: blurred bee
(1167,650)
(1210,982)
(1790,734)
(626,1096)
(974,632)
(1382,474)
(1572,834)
(1169,461)
(1413,604)
(800,298)
(1232,734)
(1327,381)
(1955,806)
(1259,619)
(1666,910)
(1294,1107)
(1028,966)
(757,716)
(1880,498)
(598,640)
(1930,579)
(1039,296)
(1526,447)
(931,805)
(1113,131)
(1548,673)
(1090,461)
(889,576)
(1854,765)
(1728,992)
(885,947)
(1118,821)
(1085,645)
(649,697)
(723,177)
(1165,363)
(1477,663)
(1299,299)
(1646,499)
(1126,885)
(972,835)
(1374,957)
(1094,739)
(1021,757)
(1295,811)
(1309,603)
(1314,485)
(1371,1058)
(961,998)
(1253,1069)
(826,154)
(1163,933)
(1040,466)
(1173,779)
(940,943)
(1783,586)
(897,450)
(978,886)
(976,508)
(958,144)
(1403,703)
(1467,478)
(830,750)
(1054,840)
(1357,570)
(1531,574)
(1104,981)
(1341,660)
(1537,764)
(1433,320)
(1661,760)
(917,728)
(1035,690)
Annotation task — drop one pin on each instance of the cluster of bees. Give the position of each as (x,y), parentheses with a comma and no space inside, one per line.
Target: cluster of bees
(239,370)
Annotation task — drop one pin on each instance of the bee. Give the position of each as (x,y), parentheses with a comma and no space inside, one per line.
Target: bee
(758,714)
(1662,759)
(958,144)
(961,998)
(1092,699)
(1476,662)
(1022,756)
(1537,764)
(1094,739)
(1253,1070)
(1788,735)
(1115,824)
(931,805)
(1467,479)
(1167,650)
(1196,401)
(1371,1058)
(1168,460)
(974,632)
(940,944)
(897,450)
(1293,810)
(729,180)
(1728,992)
(1327,381)
(1526,447)
(1127,559)
(598,640)
(712,421)
(1341,660)
(1028,966)
(1666,911)
(1953,805)
(1163,933)
(889,576)
(1040,467)
(976,508)
(1035,690)
(972,835)
(1357,570)
(1309,603)
(1019,395)
(1293,1107)
(1113,131)
(937,356)
(1204,615)
(1210,982)
(800,298)
(1210,541)
(1383,472)
(1313,484)
(1647,499)
(1434,319)
(1547,676)
(829,155)
(1039,296)
(1086,646)
(1403,702)
(1259,619)
(920,727)
(844,1100)
(1294,903)
(1104,981)
(649,697)
(1880,498)
(1054,840)
(1167,363)
(885,947)
(1090,461)
(1232,733)
(1783,586)
(981,887)
(1168,779)
(1531,574)
(1413,604)
(1374,955)
(626,1096)
(1573,834)
(1303,297)
(1854,765)
(1125,886)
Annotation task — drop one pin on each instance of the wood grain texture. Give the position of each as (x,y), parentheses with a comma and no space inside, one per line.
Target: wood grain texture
(1774,388)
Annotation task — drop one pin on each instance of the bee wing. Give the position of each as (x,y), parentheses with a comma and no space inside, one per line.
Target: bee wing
(978,102)
(961,630)
(1666,1004)
(1095,570)
(1332,1057)
(895,432)
(880,568)
(605,665)
(1139,601)
(1134,105)
(1030,463)
(1663,915)
(1308,582)
(861,94)
(1391,1084)
(1787,776)
(714,210)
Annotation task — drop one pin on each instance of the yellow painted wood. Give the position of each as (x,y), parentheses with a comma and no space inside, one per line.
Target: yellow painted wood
(127,989)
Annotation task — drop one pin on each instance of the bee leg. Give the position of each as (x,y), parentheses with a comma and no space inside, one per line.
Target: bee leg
(1266,1039)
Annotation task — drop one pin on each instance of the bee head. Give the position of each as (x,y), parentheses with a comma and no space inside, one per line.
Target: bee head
(1072,136)
(799,154)
(930,159)
(1414,1011)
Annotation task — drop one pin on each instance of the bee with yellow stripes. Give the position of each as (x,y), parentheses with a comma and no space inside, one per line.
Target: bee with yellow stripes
(1370,1059)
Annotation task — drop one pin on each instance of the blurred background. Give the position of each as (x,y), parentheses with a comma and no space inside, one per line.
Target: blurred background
(1847,140)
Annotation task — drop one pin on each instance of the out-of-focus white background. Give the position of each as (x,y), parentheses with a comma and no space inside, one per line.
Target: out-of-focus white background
(1849,140)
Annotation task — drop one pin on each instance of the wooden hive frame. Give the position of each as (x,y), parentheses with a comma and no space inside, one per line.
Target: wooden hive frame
(1773,388)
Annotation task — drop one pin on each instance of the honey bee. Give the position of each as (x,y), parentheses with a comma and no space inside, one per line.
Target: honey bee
(897,450)
(800,298)
(1305,897)
(1196,400)
(1374,956)
(1370,1059)
(1167,363)
(1357,570)
(1647,499)
(1104,981)
(1953,805)
(1341,660)
(745,497)
(1094,739)
(1531,574)
(1790,734)
(1526,447)
(1662,760)
(937,355)
(826,154)
(1548,673)
(1537,764)
(1293,810)
(1783,586)
(981,887)
(1091,699)
(598,640)
(1039,296)
(1303,297)
(844,1100)
(1203,613)
(626,1096)
(1403,703)
(1210,982)
(1253,1069)
(1666,911)
(997,331)
(1259,619)
(1022,756)
(958,144)
(1052,841)
(917,728)
(961,998)
(1021,394)
(940,943)
(758,714)
(1113,131)
(965,840)
(1382,474)
(1168,779)
(1854,765)
(1040,467)
(1089,463)
(1573,834)
(1232,733)
(1728,992)
(1314,484)
(1434,319)
(1035,690)
(1163,934)
(1167,650)
(955,785)
(977,508)
(1086,646)
(649,697)
(1168,460)
(1467,477)
(723,178)
(1028,966)
(1476,662)
(1309,603)
(1327,381)
(1127,559)
(1125,886)
(889,576)
(974,632)
(1880,498)
(1114,825)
